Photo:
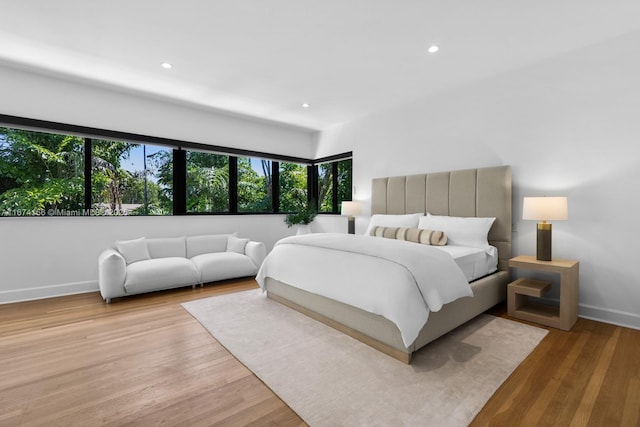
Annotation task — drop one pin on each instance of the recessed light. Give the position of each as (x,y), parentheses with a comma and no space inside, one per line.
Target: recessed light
(305,105)
(433,48)
(166,65)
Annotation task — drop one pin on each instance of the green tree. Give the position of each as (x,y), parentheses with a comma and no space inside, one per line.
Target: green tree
(162,163)
(293,186)
(254,190)
(325,187)
(40,171)
(114,186)
(345,181)
(108,178)
(325,184)
(207,182)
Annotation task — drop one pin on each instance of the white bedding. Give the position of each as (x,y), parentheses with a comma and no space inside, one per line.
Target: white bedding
(474,262)
(399,280)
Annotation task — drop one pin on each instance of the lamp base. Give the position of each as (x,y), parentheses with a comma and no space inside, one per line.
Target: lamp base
(352,225)
(543,242)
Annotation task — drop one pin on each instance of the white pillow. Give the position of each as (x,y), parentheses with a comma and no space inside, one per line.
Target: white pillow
(133,250)
(407,221)
(469,231)
(235,244)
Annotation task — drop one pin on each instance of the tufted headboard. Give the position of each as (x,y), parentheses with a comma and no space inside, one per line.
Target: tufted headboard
(483,192)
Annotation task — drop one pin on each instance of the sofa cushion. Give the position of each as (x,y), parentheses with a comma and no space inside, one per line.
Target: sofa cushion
(163,273)
(166,247)
(234,244)
(133,250)
(223,265)
(206,244)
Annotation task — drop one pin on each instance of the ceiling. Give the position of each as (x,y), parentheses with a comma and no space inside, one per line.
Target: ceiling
(265,58)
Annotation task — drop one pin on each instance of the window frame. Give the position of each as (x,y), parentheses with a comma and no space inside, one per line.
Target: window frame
(180,148)
(230,184)
(309,187)
(334,161)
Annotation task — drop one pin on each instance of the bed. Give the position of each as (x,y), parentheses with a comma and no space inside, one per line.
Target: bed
(480,193)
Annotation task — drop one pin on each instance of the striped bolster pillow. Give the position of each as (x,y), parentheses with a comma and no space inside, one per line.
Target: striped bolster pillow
(416,235)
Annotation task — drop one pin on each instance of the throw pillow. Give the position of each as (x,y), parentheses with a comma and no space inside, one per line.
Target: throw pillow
(415,235)
(235,244)
(133,250)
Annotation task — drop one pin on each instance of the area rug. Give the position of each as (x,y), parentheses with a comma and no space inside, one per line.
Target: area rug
(331,379)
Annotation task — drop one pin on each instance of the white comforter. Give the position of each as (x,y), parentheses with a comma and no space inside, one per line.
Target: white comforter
(399,280)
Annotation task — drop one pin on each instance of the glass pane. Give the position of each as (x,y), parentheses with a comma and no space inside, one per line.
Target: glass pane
(344,180)
(325,188)
(293,186)
(131,179)
(254,185)
(207,182)
(40,173)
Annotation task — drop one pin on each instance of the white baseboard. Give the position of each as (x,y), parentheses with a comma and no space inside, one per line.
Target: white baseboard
(29,294)
(606,315)
(615,317)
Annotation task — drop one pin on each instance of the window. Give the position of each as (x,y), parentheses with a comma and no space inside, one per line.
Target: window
(293,186)
(334,185)
(345,182)
(254,185)
(325,188)
(40,173)
(207,182)
(130,179)
(67,170)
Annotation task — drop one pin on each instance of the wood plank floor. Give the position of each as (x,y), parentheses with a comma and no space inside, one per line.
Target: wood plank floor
(143,360)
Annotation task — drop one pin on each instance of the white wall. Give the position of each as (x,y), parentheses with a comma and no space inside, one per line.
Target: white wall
(42,257)
(568,126)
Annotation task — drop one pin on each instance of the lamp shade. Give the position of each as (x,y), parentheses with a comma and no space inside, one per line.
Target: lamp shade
(545,208)
(350,208)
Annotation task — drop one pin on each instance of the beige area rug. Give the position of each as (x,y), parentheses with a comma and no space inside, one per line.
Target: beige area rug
(330,379)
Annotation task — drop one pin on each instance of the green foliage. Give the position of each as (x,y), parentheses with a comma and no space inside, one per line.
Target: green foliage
(304,214)
(56,193)
(40,171)
(325,187)
(162,163)
(254,190)
(207,182)
(325,184)
(293,186)
(113,186)
(43,172)
(108,178)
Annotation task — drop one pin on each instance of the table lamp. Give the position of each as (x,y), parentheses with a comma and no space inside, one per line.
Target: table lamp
(351,209)
(544,209)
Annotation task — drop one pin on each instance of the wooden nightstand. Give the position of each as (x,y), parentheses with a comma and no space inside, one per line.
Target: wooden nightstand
(518,292)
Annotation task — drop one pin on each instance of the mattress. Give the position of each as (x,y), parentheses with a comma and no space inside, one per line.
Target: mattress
(474,263)
(399,280)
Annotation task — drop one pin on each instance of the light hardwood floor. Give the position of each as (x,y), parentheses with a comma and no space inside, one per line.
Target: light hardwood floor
(143,360)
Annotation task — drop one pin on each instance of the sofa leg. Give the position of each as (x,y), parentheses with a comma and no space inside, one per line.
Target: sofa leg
(201,285)
(108,300)
(193,286)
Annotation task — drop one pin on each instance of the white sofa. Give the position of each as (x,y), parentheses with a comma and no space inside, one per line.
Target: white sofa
(144,265)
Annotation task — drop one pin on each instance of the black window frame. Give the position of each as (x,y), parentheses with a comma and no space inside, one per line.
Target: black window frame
(180,148)
(334,161)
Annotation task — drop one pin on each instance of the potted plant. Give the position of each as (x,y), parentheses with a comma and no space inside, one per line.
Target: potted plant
(303,217)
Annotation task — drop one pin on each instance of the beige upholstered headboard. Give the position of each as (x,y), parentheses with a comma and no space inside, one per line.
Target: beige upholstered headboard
(484,192)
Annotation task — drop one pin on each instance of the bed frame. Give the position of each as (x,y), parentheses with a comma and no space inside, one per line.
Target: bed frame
(484,192)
